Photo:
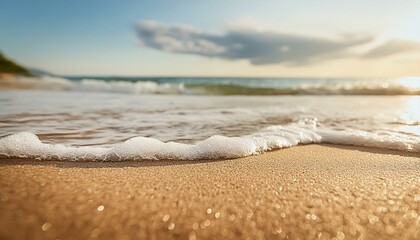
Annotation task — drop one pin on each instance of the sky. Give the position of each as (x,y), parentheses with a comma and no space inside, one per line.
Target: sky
(271,38)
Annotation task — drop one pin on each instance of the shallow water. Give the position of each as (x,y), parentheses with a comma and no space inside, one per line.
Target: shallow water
(257,123)
(197,118)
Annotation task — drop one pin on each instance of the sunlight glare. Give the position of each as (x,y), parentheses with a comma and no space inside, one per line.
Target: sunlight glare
(409,117)
(410,82)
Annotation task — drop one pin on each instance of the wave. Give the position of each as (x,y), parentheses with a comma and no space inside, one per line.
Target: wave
(27,145)
(306,89)
(211,88)
(93,85)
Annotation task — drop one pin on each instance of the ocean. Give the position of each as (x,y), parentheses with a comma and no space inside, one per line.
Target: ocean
(179,118)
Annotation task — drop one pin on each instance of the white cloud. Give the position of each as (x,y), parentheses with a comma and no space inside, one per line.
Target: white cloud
(261,47)
(391,48)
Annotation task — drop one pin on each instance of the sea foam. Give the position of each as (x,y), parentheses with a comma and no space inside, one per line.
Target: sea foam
(28,146)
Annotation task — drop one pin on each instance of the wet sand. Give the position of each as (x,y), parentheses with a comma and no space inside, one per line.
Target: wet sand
(305,192)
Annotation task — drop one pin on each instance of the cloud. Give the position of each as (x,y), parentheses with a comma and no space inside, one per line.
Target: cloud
(258,47)
(392,47)
(178,39)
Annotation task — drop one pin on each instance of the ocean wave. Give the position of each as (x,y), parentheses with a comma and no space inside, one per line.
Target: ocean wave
(211,88)
(92,85)
(27,145)
(306,89)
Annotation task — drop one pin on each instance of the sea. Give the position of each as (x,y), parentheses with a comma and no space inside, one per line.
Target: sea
(193,118)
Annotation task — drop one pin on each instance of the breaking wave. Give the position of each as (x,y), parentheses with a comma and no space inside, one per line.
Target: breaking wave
(209,86)
(27,145)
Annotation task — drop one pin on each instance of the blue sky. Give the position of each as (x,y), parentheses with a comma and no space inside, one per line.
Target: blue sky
(102,37)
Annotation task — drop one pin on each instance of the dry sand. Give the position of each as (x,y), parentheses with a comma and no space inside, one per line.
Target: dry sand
(306,192)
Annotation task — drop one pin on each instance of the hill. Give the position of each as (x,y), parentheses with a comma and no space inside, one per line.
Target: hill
(7,66)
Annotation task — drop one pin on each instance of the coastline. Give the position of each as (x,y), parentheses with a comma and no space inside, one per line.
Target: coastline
(311,191)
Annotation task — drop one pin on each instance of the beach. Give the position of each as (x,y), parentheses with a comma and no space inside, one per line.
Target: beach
(260,120)
(305,192)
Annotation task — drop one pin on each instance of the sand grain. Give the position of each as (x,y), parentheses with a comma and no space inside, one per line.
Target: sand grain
(306,192)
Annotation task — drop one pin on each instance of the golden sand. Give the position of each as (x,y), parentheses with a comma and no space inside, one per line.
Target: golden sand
(305,192)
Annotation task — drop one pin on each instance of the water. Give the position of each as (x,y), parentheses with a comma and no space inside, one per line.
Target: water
(165,119)
(223,86)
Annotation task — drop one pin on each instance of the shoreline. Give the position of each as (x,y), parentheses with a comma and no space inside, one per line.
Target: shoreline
(309,191)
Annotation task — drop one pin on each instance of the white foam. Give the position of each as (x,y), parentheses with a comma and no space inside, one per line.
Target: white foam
(93,85)
(28,145)
(362,138)
(140,87)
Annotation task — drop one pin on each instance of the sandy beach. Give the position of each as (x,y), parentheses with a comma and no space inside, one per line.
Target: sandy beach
(305,192)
